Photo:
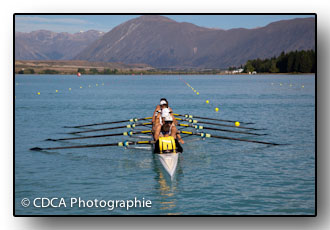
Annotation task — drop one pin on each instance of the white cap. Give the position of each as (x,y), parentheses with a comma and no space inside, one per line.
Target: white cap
(168,118)
(163,102)
(165,112)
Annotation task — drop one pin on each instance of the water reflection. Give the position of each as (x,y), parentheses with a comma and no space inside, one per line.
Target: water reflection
(167,188)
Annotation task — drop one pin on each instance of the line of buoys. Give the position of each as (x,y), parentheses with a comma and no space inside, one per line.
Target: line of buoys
(289,84)
(70,89)
(216,109)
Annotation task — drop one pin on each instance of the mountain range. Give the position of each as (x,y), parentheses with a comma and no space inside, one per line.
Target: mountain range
(48,45)
(164,43)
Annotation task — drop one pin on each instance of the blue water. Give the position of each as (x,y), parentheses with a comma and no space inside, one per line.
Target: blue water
(214,176)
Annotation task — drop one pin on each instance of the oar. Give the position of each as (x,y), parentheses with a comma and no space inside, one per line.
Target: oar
(211,123)
(118,127)
(125,143)
(223,130)
(130,133)
(212,119)
(111,122)
(203,135)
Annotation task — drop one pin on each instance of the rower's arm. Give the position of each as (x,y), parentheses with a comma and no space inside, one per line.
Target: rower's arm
(157,132)
(179,138)
(174,120)
(154,115)
(155,123)
(176,135)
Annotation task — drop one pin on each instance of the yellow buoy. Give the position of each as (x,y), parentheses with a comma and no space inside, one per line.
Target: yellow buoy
(80,87)
(207,101)
(197,93)
(302,86)
(237,124)
(216,109)
(38,93)
(56,91)
(69,89)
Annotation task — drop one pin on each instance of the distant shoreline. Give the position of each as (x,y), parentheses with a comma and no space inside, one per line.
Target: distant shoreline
(191,74)
(102,68)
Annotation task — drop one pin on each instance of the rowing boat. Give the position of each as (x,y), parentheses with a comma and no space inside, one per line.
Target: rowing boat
(168,160)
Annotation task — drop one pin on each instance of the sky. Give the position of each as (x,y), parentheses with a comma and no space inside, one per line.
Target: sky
(77,23)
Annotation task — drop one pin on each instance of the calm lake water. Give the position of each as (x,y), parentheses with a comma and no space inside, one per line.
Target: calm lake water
(214,177)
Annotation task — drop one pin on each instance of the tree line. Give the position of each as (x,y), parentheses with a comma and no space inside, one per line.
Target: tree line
(292,62)
(95,71)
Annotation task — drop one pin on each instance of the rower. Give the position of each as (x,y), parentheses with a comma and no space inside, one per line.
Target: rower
(162,104)
(159,120)
(167,143)
(167,127)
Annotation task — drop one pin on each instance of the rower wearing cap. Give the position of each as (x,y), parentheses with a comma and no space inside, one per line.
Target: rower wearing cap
(159,120)
(167,127)
(162,104)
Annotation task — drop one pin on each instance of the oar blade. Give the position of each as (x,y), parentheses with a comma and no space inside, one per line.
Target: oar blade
(36,149)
